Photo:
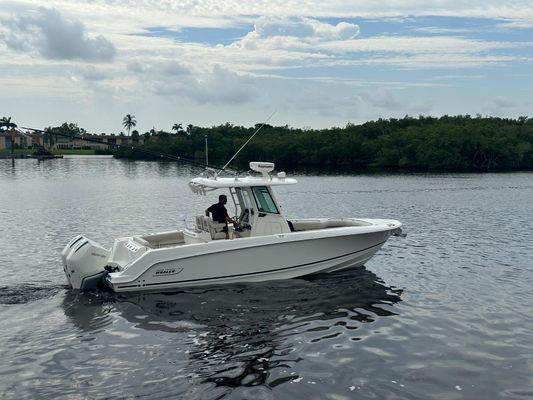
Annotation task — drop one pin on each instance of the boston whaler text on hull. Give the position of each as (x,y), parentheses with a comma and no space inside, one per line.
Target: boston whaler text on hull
(265,247)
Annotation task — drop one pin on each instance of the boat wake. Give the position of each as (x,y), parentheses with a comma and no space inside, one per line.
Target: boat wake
(27,292)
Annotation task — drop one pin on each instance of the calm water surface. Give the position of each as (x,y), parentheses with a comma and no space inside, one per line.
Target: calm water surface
(445,313)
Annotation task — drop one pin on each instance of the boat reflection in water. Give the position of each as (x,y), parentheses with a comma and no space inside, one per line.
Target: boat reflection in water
(240,335)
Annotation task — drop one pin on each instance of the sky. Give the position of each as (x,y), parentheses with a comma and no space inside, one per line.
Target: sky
(314,64)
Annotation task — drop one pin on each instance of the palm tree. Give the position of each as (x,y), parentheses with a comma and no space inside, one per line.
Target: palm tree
(129,122)
(178,128)
(9,125)
(5,121)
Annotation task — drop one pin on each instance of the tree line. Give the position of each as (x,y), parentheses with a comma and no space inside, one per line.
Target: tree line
(457,142)
(425,143)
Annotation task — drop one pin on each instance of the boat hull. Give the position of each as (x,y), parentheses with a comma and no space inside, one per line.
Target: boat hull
(282,256)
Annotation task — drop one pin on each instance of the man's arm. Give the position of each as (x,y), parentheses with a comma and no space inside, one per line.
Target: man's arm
(231,221)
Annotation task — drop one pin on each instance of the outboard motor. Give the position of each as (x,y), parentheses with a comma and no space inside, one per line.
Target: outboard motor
(84,262)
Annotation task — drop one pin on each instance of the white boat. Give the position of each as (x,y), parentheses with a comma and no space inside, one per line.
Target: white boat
(264,246)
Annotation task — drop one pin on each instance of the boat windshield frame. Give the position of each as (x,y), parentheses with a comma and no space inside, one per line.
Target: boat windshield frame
(247,202)
(264,201)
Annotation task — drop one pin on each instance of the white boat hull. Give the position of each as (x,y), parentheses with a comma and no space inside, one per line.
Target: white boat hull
(253,259)
(264,246)
(261,262)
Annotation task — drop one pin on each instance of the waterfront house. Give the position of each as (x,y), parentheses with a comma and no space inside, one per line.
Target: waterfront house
(25,140)
(18,137)
(94,142)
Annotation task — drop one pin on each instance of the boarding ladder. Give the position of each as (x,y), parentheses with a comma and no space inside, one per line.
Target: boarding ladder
(235,198)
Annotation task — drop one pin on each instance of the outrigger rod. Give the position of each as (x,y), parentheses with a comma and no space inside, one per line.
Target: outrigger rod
(244,145)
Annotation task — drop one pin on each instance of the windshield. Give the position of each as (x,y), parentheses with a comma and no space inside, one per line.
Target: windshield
(244,198)
(265,202)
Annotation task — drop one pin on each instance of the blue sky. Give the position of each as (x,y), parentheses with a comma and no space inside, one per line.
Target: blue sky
(209,62)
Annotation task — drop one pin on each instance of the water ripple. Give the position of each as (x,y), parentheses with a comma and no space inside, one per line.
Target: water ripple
(444,313)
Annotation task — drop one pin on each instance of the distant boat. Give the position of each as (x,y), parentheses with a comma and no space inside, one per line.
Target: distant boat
(265,244)
(41,153)
(46,157)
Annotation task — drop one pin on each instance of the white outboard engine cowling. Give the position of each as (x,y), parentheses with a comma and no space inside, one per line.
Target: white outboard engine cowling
(84,262)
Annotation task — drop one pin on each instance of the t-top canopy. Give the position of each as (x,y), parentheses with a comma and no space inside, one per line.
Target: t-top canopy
(204,184)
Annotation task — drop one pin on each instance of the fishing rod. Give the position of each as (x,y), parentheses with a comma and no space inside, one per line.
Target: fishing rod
(245,143)
(128,147)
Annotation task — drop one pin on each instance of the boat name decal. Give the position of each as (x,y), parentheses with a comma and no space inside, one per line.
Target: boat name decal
(167,271)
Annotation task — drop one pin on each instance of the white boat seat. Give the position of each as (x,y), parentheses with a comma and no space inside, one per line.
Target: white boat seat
(194,237)
(199,222)
(141,241)
(206,223)
(214,228)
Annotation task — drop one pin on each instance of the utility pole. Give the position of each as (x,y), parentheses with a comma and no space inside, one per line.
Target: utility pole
(12,148)
(12,143)
(206,153)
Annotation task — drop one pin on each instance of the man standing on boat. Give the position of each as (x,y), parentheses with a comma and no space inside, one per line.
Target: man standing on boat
(220,214)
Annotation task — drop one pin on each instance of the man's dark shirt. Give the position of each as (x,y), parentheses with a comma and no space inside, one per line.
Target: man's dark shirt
(219,212)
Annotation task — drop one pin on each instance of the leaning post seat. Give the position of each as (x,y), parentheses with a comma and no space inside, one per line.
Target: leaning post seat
(214,228)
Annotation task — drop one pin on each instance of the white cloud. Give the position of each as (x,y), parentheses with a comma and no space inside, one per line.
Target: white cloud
(359,106)
(517,24)
(295,33)
(165,68)
(119,16)
(217,85)
(47,32)
(305,28)
(289,46)
(364,8)
(417,45)
(499,106)
(306,42)
(221,86)
(91,73)
(383,99)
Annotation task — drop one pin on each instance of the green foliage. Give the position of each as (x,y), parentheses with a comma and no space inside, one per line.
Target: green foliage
(423,143)
(69,130)
(74,152)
